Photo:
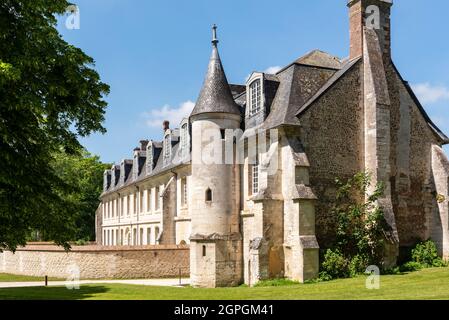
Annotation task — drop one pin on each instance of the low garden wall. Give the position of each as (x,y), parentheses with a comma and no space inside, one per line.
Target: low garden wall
(97,262)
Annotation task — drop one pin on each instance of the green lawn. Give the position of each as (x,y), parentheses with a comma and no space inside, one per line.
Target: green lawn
(425,284)
(4,277)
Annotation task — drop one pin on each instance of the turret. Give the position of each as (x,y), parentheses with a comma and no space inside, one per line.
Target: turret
(215,253)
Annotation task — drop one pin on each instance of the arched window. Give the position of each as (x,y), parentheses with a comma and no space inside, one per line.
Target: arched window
(208,195)
(141,237)
(255,96)
(121,237)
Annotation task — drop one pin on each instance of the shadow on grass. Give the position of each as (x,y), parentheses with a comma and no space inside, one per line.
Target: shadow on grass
(51,293)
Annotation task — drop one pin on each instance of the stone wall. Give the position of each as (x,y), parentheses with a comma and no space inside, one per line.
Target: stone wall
(98,262)
(332,137)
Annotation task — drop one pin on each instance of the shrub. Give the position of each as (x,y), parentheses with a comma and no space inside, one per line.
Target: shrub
(426,254)
(360,229)
(410,267)
(335,265)
(358,265)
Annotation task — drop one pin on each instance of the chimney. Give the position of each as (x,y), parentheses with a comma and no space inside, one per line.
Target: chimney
(143,145)
(166,125)
(373,14)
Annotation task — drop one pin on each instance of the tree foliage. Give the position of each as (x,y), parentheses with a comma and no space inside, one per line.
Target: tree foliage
(49,95)
(360,228)
(84,174)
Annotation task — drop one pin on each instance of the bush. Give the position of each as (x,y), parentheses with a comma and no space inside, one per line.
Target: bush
(335,265)
(358,265)
(426,255)
(410,267)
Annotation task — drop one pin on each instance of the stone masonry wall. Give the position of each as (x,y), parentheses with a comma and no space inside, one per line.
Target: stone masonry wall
(98,262)
(332,136)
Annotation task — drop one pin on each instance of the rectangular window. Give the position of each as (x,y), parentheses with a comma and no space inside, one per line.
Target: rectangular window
(141,201)
(184,195)
(255,178)
(158,199)
(135,203)
(148,236)
(148,200)
(128,200)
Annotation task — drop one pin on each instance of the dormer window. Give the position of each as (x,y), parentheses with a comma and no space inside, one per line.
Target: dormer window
(136,166)
(184,140)
(255,96)
(167,150)
(150,158)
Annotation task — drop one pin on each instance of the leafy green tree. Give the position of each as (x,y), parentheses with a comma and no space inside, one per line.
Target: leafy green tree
(360,228)
(49,95)
(84,174)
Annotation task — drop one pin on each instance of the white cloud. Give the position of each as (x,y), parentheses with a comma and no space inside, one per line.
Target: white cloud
(273,70)
(270,70)
(156,116)
(428,93)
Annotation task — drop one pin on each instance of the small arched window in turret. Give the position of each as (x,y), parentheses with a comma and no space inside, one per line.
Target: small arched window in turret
(208,195)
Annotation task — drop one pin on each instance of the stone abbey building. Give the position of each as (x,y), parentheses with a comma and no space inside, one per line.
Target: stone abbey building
(269,214)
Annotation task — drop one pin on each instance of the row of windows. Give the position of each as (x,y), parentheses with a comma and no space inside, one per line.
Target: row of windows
(116,237)
(122,206)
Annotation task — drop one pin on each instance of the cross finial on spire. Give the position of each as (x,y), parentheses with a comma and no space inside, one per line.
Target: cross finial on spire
(214,35)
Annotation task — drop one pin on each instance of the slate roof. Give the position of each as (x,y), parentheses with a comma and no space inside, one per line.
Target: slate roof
(333,80)
(215,95)
(291,94)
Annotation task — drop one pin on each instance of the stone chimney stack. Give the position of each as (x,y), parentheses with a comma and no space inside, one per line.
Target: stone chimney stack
(373,14)
(166,125)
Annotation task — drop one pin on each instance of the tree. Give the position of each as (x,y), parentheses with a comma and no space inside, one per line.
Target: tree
(84,173)
(49,96)
(360,229)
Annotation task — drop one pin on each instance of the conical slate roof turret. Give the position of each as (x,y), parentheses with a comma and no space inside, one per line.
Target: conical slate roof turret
(215,96)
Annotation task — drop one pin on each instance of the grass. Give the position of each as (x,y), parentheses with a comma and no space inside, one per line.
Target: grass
(4,277)
(424,284)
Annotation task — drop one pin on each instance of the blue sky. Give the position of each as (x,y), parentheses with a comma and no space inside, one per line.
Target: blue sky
(154,53)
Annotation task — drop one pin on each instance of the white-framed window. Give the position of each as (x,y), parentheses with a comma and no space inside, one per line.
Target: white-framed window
(128,200)
(135,203)
(149,200)
(255,96)
(156,234)
(141,201)
(255,178)
(158,198)
(148,235)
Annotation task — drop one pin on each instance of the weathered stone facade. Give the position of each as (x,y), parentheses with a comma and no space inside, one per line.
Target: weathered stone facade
(268,212)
